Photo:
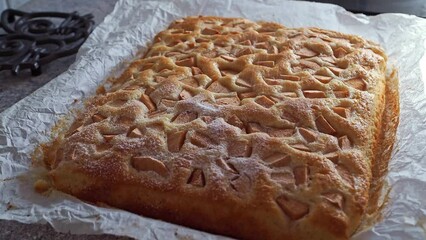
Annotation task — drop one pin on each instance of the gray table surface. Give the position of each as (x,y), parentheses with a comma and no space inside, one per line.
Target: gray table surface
(14,88)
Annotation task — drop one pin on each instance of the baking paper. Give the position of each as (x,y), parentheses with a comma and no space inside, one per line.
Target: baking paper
(127,30)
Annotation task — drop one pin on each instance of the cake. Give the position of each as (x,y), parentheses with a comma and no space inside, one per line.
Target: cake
(243,129)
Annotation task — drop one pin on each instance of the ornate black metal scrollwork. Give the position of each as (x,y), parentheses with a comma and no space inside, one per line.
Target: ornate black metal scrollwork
(35,39)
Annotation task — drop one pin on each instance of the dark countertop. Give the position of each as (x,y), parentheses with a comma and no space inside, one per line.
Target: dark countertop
(14,88)
(11,230)
(373,7)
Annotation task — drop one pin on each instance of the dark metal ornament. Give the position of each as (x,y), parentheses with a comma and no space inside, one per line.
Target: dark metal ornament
(35,39)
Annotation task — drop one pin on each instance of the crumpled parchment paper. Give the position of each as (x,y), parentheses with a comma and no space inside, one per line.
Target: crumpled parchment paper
(127,30)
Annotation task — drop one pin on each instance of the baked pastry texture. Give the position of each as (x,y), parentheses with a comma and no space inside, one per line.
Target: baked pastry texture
(250,130)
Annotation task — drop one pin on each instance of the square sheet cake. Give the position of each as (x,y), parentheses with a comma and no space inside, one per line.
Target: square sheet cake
(244,129)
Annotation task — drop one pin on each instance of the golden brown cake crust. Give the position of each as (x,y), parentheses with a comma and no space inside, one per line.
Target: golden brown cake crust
(237,128)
